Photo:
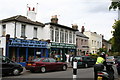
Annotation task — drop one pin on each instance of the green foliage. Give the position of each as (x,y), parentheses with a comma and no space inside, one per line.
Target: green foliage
(114,54)
(102,50)
(114,5)
(116,37)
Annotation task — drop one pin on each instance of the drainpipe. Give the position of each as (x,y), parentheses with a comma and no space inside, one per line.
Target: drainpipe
(15,30)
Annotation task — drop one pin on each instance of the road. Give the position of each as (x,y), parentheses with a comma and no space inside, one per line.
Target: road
(83,73)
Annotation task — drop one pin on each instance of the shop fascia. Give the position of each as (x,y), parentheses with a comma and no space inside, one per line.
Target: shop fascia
(27,43)
(62,45)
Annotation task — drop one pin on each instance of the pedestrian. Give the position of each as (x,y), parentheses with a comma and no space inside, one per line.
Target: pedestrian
(99,64)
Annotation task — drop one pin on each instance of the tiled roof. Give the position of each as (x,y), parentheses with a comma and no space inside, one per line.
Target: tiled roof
(81,35)
(23,19)
(62,26)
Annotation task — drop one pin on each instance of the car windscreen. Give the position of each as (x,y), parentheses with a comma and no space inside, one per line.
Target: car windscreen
(111,57)
(77,58)
(36,60)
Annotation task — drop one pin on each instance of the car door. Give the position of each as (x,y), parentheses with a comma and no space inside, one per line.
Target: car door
(47,63)
(7,65)
(53,63)
(91,61)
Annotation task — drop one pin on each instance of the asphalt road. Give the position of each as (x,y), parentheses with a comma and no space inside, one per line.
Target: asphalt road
(82,73)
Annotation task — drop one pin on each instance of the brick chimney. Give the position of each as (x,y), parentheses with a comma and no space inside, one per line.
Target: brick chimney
(54,19)
(82,29)
(75,26)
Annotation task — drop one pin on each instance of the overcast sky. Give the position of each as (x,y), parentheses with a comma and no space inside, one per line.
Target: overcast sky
(93,14)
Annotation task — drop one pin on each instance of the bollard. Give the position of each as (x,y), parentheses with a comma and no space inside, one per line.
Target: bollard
(74,69)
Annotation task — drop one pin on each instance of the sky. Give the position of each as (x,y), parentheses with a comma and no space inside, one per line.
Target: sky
(94,15)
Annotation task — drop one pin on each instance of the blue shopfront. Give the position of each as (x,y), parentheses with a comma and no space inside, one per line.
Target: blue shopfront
(20,50)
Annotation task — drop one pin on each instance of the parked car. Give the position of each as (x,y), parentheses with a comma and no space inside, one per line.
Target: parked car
(116,58)
(118,66)
(45,64)
(84,61)
(10,67)
(110,60)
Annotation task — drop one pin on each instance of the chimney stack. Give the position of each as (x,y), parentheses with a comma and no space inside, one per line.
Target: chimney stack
(31,14)
(54,19)
(75,26)
(82,29)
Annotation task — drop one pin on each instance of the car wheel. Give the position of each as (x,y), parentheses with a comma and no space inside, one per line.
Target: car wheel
(86,65)
(64,67)
(16,72)
(43,69)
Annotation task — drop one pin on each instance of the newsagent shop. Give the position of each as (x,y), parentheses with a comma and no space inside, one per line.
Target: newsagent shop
(21,50)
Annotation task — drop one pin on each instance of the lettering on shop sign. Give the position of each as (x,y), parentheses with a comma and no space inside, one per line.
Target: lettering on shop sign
(63,45)
(27,43)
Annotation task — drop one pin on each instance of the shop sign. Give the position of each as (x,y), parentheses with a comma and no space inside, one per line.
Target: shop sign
(63,45)
(27,43)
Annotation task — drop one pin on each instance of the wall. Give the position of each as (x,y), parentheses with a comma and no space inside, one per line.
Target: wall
(95,41)
(79,44)
(3,44)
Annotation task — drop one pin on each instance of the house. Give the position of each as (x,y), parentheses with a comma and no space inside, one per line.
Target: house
(20,38)
(82,42)
(94,42)
(106,44)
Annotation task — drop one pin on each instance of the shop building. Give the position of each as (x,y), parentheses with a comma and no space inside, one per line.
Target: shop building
(62,39)
(20,39)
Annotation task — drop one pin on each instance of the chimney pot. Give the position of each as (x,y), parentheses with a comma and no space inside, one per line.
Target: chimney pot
(82,29)
(75,26)
(54,19)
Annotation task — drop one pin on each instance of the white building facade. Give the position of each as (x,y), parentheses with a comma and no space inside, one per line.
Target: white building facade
(25,38)
(94,42)
(62,39)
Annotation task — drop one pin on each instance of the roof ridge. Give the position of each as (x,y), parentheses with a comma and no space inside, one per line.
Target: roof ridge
(17,17)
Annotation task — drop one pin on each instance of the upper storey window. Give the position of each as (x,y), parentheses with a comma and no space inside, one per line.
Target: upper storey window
(23,30)
(56,35)
(3,30)
(51,33)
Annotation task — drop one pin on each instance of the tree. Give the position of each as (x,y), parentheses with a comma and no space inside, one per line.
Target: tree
(114,5)
(116,36)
